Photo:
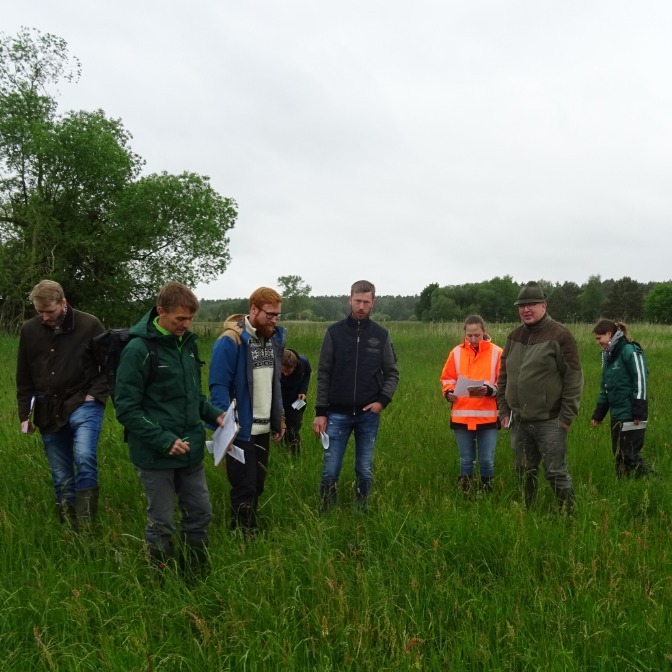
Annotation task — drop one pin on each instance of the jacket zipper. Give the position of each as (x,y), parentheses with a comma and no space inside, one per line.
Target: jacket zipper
(354,392)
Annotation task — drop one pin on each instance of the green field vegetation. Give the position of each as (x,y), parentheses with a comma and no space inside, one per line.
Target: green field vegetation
(425,581)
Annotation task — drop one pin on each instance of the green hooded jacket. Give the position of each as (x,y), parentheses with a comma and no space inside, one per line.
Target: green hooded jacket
(623,389)
(171,406)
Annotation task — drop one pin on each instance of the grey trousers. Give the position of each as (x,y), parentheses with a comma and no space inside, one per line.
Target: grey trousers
(542,442)
(161,487)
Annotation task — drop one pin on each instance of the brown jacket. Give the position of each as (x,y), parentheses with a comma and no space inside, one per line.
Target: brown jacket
(58,368)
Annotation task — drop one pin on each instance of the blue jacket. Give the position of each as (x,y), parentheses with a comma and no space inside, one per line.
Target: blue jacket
(231,375)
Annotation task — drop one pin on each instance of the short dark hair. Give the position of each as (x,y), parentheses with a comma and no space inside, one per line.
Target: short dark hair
(289,359)
(175,295)
(362,287)
(260,297)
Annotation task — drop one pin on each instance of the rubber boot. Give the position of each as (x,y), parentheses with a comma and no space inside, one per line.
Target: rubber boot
(362,490)
(193,563)
(466,483)
(327,496)
(67,513)
(528,484)
(487,483)
(244,518)
(86,506)
(566,500)
(161,561)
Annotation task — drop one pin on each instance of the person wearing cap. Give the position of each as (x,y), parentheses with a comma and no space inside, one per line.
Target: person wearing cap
(538,393)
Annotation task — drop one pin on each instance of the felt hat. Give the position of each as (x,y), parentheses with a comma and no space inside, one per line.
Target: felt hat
(531,293)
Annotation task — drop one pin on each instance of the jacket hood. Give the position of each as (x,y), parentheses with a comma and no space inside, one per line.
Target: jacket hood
(145,328)
(233,321)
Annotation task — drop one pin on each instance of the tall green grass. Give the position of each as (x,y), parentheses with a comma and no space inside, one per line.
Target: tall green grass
(425,581)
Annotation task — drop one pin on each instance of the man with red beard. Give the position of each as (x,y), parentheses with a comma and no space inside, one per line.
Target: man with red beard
(245,366)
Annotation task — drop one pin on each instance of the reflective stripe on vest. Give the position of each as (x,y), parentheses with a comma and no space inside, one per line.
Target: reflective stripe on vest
(475,414)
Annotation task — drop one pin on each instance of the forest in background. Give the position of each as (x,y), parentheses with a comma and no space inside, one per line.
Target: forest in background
(625,299)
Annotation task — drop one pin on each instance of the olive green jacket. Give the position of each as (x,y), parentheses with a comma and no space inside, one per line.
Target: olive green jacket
(540,375)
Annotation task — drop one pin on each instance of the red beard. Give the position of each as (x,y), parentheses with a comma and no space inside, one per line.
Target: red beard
(266,331)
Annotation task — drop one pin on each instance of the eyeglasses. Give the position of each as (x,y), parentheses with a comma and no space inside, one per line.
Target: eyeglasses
(271,316)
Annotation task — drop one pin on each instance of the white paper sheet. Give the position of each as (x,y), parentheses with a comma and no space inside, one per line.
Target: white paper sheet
(225,435)
(463,384)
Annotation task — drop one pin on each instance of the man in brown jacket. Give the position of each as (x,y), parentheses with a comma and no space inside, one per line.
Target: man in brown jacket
(62,392)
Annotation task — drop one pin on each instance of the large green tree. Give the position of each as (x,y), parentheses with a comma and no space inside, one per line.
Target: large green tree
(625,301)
(591,299)
(658,304)
(75,207)
(295,297)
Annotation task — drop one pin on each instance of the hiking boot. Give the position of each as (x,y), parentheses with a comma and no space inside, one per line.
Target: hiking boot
(67,513)
(86,508)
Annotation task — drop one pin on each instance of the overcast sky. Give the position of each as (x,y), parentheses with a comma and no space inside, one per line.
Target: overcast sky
(401,142)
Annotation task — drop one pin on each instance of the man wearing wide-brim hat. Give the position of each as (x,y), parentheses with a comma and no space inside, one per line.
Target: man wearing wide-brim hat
(538,394)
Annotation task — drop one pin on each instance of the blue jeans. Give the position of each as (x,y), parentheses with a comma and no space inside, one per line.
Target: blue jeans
(71,451)
(339,428)
(481,441)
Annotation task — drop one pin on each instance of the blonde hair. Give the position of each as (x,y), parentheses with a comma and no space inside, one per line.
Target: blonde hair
(47,291)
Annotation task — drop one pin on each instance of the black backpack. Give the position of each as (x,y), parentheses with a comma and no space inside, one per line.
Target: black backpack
(107,348)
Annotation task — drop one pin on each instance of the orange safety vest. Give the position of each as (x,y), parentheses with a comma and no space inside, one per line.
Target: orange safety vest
(481,364)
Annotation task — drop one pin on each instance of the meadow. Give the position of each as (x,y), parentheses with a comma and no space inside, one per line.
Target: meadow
(425,581)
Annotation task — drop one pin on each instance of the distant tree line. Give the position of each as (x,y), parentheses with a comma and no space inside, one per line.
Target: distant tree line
(624,299)
(314,308)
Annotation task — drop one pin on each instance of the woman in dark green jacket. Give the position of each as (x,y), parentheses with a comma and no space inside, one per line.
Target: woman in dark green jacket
(623,393)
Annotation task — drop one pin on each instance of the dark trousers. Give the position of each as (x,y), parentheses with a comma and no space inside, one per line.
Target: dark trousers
(293,421)
(247,481)
(627,448)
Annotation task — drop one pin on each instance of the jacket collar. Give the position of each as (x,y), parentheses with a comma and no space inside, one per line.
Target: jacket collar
(357,324)
(68,323)
(537,326)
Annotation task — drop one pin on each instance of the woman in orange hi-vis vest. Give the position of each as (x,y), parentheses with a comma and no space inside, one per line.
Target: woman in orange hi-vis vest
(473,416)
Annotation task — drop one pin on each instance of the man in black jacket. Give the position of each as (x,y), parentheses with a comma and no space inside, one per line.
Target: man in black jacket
(357,375)
(62,392)
(295,372)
